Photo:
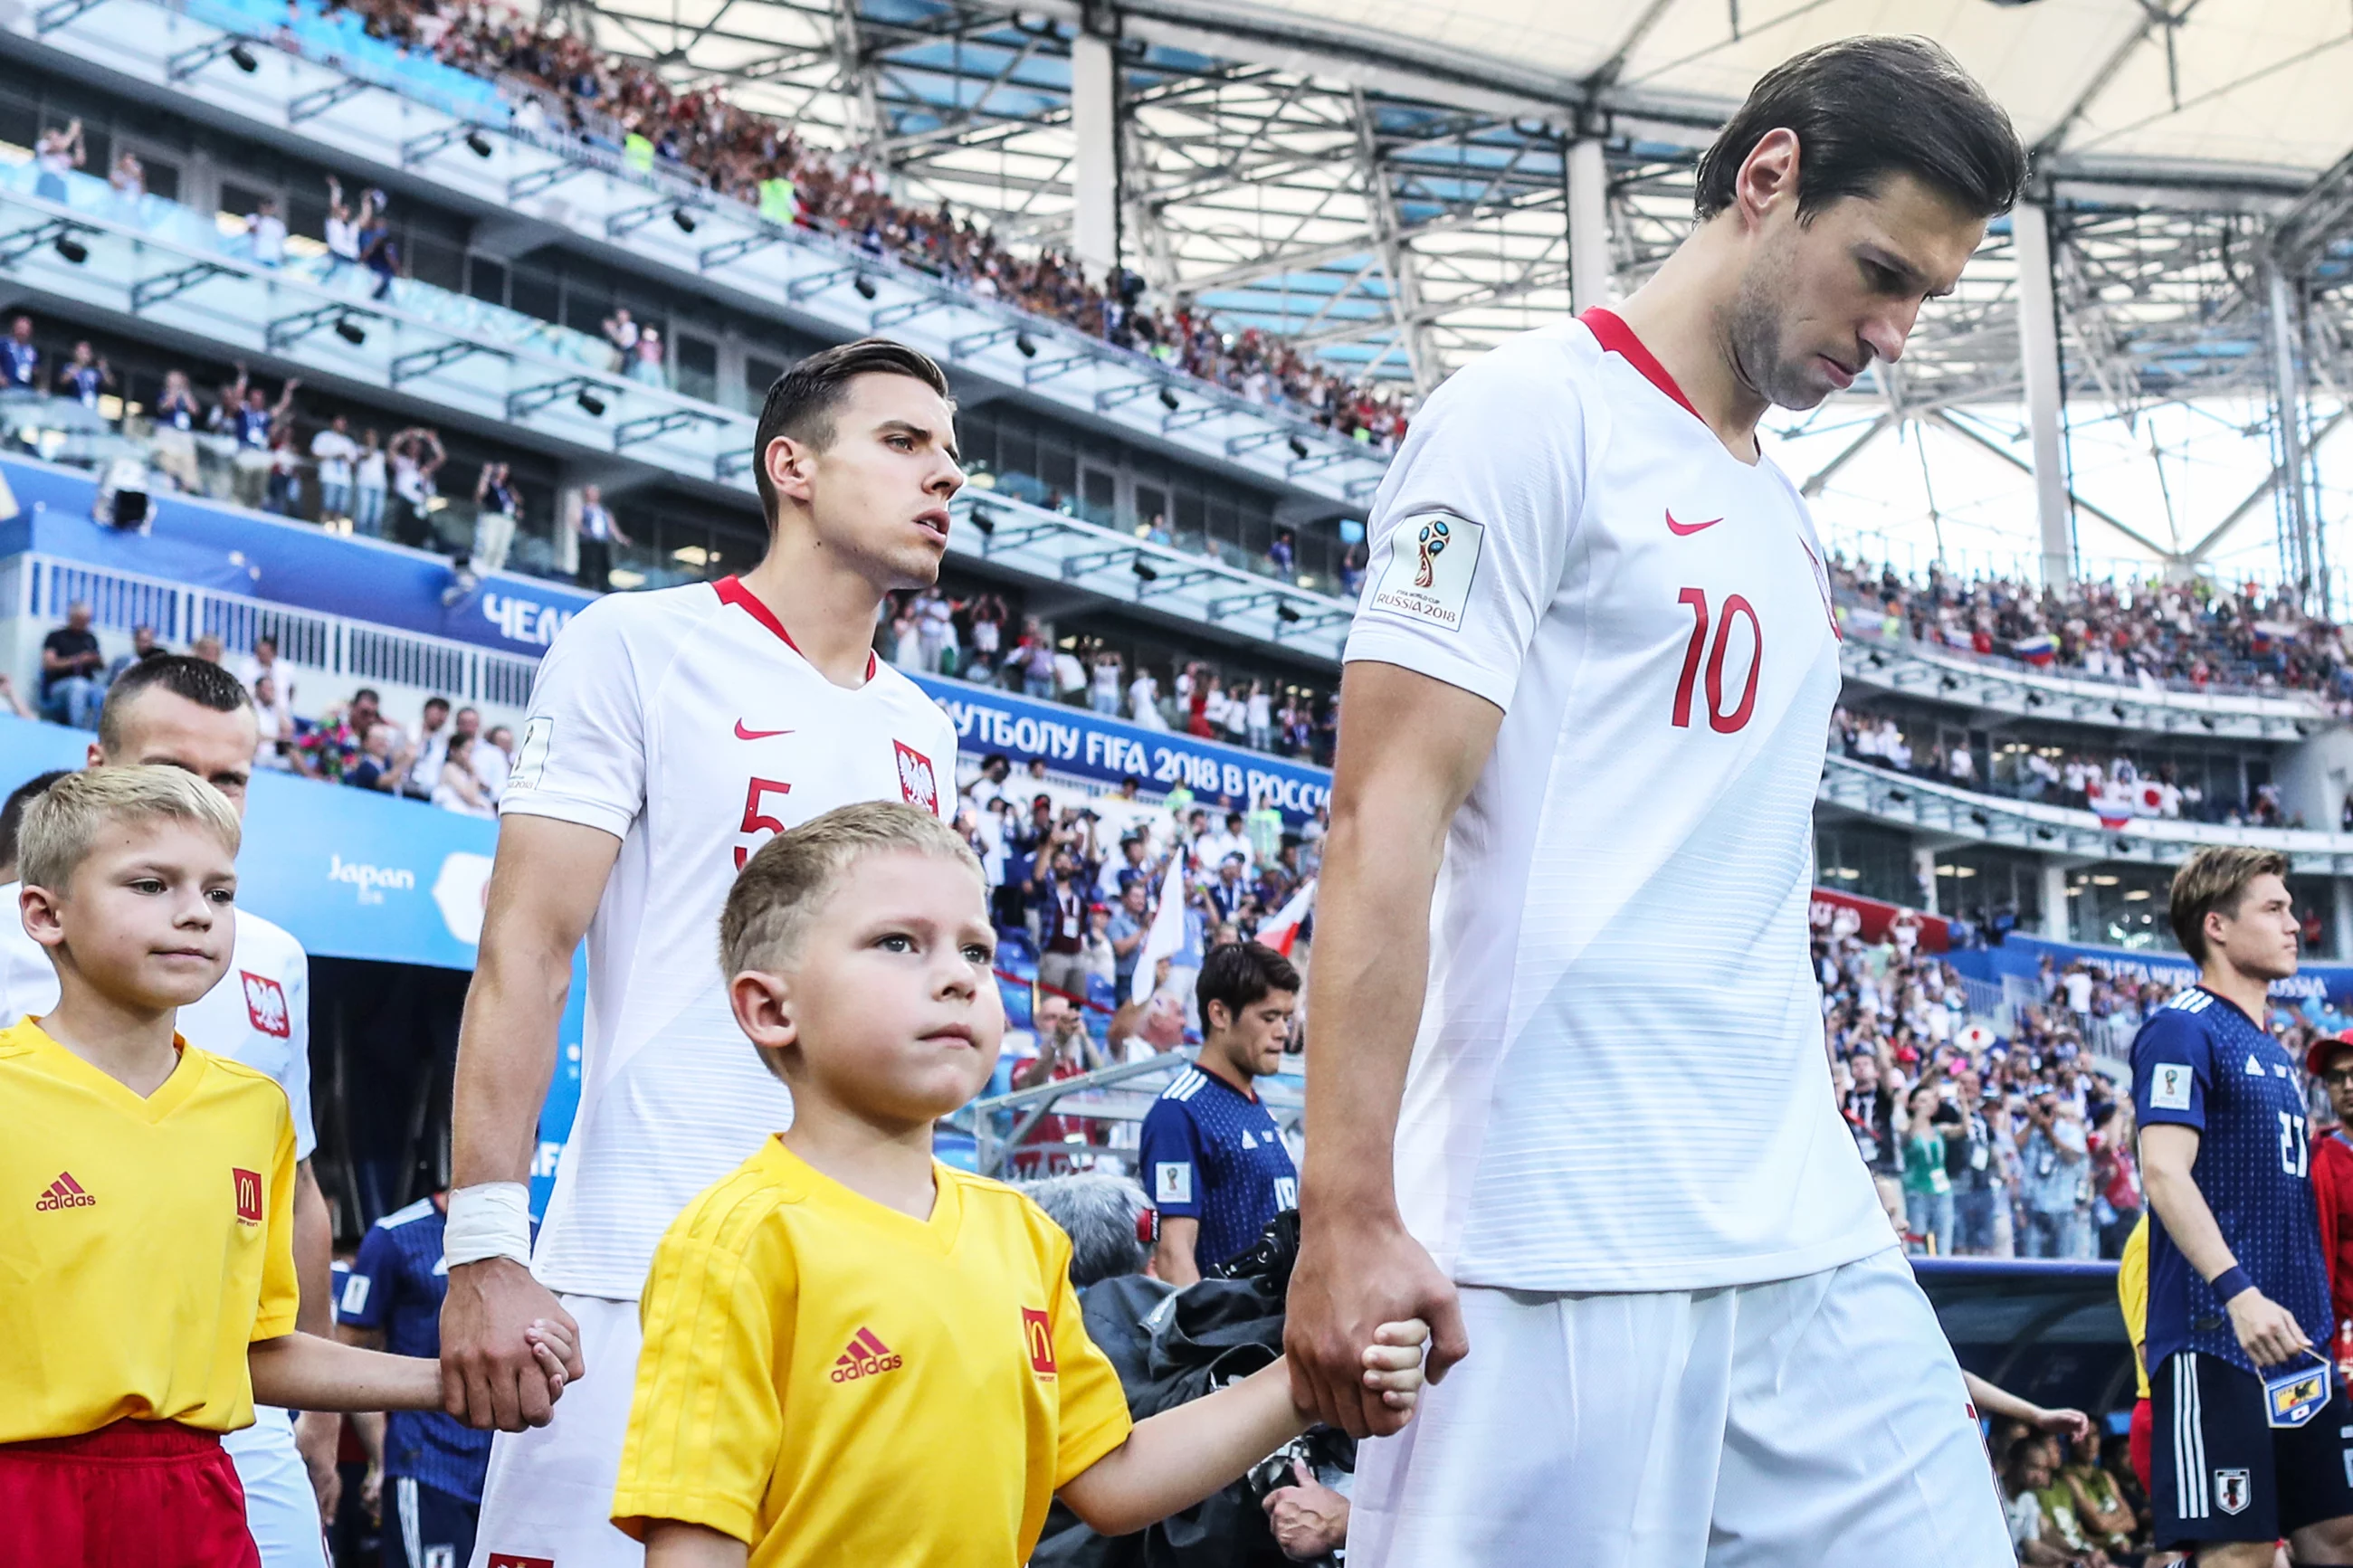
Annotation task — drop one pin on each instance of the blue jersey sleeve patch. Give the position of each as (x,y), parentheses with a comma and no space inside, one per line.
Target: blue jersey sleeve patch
(2173,1068)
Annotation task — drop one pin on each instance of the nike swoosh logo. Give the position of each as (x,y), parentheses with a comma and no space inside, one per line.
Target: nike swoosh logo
(744,734)
(1684,530)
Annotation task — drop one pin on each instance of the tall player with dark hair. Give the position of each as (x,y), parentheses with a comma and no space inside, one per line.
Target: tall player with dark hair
(671,734)
(2238,1285)
(1570,1103)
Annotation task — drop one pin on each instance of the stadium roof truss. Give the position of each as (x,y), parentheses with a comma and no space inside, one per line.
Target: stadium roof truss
(1395,201)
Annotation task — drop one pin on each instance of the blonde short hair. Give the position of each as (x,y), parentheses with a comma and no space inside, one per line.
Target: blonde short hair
(783,885)
(62,826)
(2214,880)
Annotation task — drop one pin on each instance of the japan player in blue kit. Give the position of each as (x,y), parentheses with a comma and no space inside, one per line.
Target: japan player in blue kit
(1211,1158)
(2254,1437)
(432,1464)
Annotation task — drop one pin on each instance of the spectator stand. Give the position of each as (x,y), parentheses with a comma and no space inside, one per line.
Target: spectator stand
(366,101)
(503,370)
(1996,684)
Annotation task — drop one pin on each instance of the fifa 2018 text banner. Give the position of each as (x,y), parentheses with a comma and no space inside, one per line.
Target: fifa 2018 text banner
(1087,745)
(354,874)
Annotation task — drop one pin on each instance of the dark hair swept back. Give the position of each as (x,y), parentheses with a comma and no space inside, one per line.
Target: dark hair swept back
(1863,109)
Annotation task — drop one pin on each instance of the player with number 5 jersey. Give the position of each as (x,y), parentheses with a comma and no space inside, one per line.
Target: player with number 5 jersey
(671,734)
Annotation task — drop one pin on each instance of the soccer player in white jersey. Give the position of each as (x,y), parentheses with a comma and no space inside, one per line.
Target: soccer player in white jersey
(1583,721)
(172,711)
(671,734)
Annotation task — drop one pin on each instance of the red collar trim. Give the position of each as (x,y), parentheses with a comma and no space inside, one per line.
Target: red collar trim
(1616,337)
(733,592)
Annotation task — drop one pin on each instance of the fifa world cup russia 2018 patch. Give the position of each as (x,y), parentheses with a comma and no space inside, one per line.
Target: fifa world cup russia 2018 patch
(1432,558)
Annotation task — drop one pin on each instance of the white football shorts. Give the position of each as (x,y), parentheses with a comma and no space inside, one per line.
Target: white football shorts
(281,1509)
(1819,1421)
(549,1492)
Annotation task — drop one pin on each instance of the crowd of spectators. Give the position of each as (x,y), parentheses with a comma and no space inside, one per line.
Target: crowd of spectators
(978,639)
(2194,636)
(447,758)
(563,85)
(1979,1145)
(2071,1500)
(2111,785)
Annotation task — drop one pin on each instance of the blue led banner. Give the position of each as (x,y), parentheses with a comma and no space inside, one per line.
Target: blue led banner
(1087,745)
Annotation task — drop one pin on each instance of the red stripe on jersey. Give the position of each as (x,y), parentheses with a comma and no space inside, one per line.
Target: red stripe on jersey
(1616,337)
(733,592)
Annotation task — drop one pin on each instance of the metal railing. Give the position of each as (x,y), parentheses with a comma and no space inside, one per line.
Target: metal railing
(1935,806)
(408,346)
(1001,1125)
(42,586)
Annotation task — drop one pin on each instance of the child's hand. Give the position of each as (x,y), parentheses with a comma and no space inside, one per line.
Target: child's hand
(1393,1363)
(551,1346)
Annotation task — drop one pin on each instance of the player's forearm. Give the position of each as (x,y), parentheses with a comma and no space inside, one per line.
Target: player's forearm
(315,1248)
(506,1057)
(1178,1457)
(2180,1208)
(304,1372)
(1365,1001)
(367,1429)
(1172,1258)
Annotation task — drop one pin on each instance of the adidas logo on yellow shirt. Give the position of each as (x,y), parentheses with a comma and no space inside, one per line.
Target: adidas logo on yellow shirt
(867,1356)
(64,1193)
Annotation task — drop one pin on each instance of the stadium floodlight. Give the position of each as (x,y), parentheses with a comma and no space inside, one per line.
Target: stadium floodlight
(683,218)
(478,145)
(1298,448)
(1286,614)
(590,404)
(1025,345)
(72,249)
(865,287)
(242,57)
(1168,398)
(350,331)
(1144,571)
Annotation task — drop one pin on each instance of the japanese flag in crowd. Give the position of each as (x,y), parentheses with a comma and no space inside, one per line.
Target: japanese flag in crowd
(1168,932)
(1282,929)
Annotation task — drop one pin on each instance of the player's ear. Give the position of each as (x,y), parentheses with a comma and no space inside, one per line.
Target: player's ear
(764,1007)
(787,462)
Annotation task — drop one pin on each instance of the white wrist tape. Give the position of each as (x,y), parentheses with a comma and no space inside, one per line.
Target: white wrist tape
(491,1220)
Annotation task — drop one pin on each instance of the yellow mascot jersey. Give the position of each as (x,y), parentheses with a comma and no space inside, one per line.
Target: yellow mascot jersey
(833,1382)
(143,1243)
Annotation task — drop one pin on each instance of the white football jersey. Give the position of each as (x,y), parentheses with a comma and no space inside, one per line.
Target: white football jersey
(1619,1081)
(685,723)
(259,1013)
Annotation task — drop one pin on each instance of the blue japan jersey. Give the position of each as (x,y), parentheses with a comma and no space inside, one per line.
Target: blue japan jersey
(1213,1153)
(397,1284)
(2200,1062)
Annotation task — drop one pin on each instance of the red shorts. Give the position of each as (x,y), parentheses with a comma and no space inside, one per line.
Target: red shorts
(132,1495)
(2137,1442)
